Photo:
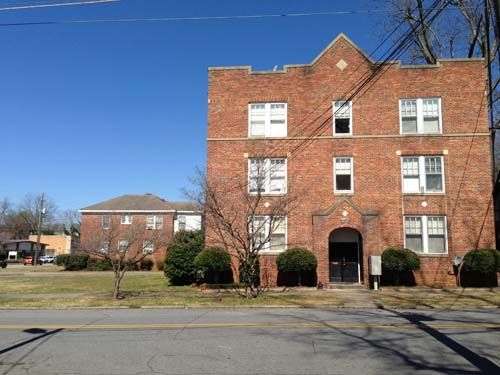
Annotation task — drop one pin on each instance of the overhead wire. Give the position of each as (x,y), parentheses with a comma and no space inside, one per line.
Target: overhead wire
(53,4)
(355,91)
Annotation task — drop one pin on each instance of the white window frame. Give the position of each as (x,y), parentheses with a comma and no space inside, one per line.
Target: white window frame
(264,172)
(415,168)
(265,223)
(123,245)
(181,222)
(267,113)
(339,169)
(342,109)
(154,222)
(418,107)
(126,219)
(147,246)
(104,246)
(105,221)
(427,229)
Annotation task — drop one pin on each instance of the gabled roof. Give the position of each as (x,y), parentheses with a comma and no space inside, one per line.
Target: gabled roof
(340,38)
(139,203)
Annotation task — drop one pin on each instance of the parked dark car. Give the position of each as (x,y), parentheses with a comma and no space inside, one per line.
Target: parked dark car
(29,260)
(3,263)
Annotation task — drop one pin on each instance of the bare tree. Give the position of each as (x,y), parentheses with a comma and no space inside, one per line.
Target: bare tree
(22,220)
(123,248)
(6,210)
(440,29)
(71,220)
(243,221)
(449,29)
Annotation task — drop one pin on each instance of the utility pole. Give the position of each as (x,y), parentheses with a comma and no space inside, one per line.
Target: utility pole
(41,213)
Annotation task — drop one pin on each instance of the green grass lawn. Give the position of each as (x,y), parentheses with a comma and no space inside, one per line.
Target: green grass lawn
(51,287)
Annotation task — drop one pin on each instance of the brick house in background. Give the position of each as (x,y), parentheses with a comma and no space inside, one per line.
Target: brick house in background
(402,159)
(148,212)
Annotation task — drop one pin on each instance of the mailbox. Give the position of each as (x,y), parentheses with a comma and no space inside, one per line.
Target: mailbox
(375,262)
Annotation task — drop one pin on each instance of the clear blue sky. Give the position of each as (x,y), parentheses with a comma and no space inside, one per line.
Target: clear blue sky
(92,111)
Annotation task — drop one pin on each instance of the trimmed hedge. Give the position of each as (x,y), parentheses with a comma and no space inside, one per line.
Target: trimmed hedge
(94,264)
(73,262)
(483,261)
(398,265)
(146,264)
(296,266)
(213,266)
(480,268)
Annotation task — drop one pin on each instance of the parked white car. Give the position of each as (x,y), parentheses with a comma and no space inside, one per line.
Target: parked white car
(47,258)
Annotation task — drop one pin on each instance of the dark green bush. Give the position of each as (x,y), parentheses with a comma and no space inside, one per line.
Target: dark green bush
(179,262)
(160,266)
(213,266)
(95,264)
(296,259)
(398,266)
(484,261)
(296,265)
(146,264)
(61,259)
(400,260)
(73,262)
(131,265)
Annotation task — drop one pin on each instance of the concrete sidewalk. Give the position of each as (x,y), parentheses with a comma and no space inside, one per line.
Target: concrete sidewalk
(419,297)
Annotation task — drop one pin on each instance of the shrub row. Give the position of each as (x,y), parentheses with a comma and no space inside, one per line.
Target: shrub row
(479,268)
(78,262)
(187,262)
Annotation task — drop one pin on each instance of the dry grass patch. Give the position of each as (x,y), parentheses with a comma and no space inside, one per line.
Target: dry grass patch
(56,289)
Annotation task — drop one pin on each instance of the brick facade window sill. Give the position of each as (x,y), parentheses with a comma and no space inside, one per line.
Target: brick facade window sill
(426,255)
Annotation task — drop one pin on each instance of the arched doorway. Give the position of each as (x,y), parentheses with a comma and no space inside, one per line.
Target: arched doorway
(345,256)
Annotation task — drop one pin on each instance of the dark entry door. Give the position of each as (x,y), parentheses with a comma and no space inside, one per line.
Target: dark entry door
(344,262)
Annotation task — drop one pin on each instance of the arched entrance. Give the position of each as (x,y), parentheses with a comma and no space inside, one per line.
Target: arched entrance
(345,256)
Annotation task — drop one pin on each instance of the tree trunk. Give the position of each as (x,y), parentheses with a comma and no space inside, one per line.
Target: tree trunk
(118,278)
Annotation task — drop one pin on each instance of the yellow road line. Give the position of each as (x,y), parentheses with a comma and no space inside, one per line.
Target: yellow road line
(290,325)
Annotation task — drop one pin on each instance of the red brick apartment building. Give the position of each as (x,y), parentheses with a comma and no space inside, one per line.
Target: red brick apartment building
(131,216)
(403,159)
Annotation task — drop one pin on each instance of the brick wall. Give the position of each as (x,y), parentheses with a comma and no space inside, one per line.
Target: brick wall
(377,206)
(92,234)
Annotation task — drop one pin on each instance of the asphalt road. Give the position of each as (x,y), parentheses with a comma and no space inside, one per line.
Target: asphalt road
(249,341)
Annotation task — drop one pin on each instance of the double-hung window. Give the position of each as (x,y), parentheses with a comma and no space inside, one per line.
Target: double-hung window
(426,234)
(105,246)
(422,174)
(154,222)
(420,116)
(267,119)
(267,176)
(343,176)
(106,220)
(181,222)
(147,247)
(122,245)
(268,233)
(342,117)
(126,219)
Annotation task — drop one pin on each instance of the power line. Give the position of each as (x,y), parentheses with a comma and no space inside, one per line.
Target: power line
(354,92)
(53,5)
(190,18)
